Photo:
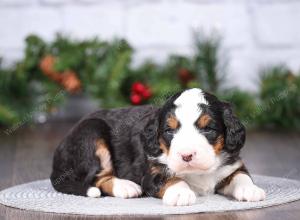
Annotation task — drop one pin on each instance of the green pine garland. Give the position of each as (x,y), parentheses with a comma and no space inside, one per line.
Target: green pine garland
(105,72)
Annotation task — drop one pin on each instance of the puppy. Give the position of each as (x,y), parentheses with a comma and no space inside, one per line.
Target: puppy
(190,146)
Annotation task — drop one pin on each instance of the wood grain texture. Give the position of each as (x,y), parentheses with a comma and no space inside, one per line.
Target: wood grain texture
(27,156)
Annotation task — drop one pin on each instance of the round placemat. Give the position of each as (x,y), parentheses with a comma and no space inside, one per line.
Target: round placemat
(40,196)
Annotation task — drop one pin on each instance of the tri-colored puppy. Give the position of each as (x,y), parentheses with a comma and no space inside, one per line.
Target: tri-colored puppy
(190,146)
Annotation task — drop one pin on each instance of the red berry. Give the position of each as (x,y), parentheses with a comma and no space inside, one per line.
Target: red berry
(138,87)
(135,99)
(147,93)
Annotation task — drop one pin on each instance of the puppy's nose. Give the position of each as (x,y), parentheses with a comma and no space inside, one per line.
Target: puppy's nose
(187,157)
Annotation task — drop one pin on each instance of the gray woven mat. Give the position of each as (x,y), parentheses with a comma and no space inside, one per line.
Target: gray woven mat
(40,196)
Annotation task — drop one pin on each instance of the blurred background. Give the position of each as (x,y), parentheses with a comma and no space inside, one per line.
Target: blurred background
(64,58)
(61,59)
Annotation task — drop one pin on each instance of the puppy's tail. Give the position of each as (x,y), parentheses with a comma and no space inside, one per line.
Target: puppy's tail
(69,187)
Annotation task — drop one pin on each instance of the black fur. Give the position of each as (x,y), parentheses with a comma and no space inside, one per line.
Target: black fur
(235,130)
(75,164)
(152,182)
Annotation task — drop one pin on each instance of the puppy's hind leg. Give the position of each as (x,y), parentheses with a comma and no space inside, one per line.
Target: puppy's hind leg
(107,182)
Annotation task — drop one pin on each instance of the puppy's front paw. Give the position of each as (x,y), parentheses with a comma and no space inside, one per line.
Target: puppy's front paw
(249,193)
(179,194)
(126,189)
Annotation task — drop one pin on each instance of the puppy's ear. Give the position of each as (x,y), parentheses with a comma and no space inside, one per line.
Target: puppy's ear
(150,136)
(235,133)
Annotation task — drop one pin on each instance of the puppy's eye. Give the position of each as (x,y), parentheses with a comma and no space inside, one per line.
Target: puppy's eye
(169,131)
(208,129)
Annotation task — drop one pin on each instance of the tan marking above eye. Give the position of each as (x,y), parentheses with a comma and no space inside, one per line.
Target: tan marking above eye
(172,122)
(219,144)
(204,120)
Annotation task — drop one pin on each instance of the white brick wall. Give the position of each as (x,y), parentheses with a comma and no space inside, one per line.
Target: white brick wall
(256,33)
(105,21)
(17,22)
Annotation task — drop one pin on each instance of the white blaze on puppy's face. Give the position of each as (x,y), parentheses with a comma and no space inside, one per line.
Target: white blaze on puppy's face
(190,150)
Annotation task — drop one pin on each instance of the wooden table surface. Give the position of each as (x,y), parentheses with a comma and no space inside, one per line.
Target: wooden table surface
(26,155)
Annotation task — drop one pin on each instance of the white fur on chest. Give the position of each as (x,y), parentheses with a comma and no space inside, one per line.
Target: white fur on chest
(204,184)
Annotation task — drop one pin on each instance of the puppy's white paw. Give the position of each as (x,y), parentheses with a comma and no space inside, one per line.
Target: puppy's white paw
(249,193)
(179,194)
(93,192)
(125,189)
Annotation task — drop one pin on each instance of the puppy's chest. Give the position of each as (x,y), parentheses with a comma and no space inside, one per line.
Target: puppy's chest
(202,184)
